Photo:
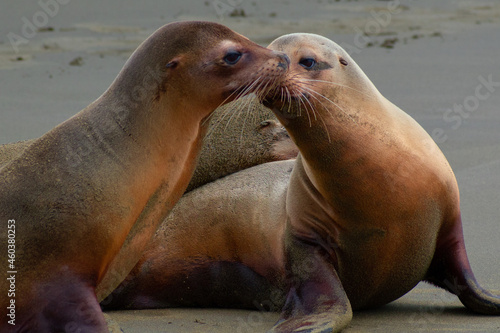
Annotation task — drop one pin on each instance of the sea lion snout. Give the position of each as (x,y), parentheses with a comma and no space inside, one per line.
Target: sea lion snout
(282,63)
(285,63)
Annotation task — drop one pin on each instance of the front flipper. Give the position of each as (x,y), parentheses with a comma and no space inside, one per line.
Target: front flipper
(66,303)
(316,301)
(450,269)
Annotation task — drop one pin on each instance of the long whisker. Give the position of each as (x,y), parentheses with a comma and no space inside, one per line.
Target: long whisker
(300,96)
(313,92)
(247,110)
(285,96)
(304,97)
(261,89)
(268,88)
(254,86)
(325,107)
(289,95)
(209,118)
(336,84)
(310,104)
(321,117)
(259,86)
(301,102)
(248,89)
(239,92)
(216,122)
(235,112)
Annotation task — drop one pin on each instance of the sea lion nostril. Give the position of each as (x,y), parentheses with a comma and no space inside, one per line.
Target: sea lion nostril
(285,61)
(282,65)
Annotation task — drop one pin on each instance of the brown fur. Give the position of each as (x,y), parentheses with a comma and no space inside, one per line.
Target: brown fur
(237,144)
(370,209)
(88,195)
(233,144)
(212,233)
(372,201)
(11,151)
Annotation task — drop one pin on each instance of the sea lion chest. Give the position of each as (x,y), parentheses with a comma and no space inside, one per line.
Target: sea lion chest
(377,215)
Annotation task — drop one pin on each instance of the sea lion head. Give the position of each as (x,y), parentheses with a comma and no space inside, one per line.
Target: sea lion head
(322,76)
(200,65)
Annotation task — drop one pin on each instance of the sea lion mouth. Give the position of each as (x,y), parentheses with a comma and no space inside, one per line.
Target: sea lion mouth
(303,97)
(266,93)
(264,81)
(281,97)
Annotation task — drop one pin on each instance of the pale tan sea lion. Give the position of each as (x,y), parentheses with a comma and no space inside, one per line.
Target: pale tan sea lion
(372,205)
(370,209)
(81,202)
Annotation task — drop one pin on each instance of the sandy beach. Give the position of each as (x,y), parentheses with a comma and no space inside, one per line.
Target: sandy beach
(440,62)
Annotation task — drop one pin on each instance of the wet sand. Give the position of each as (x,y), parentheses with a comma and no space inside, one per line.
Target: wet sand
(426,57)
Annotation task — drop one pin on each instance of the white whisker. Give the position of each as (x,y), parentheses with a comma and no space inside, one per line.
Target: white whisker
(321,119)
(312,91)
(307,111)
(247,110)
(336,84)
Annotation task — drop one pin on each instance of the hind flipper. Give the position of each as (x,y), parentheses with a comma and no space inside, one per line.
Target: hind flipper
(450,269)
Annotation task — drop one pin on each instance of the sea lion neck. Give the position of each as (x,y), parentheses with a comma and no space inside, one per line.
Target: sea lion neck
(147,129)
(340,128)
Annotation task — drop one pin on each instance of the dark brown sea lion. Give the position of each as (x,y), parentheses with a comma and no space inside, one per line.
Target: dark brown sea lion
(80,203)
(11,151)
(253,138)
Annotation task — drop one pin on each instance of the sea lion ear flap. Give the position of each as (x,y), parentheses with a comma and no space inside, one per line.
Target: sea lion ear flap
(174,62)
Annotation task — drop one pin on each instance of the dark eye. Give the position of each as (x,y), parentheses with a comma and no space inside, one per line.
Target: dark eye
(343,61)
(307,63)
(232,58)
